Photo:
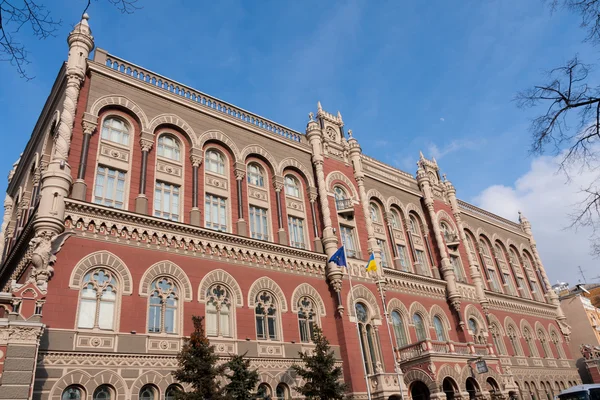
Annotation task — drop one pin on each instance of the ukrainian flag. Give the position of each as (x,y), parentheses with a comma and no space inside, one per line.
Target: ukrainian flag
(371,264)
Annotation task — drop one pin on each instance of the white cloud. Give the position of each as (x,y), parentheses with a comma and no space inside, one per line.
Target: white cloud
(442,119)
(459,144)
(547,198)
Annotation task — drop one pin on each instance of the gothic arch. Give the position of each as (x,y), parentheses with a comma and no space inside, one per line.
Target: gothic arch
(411,208)
(224,278)
(525,324)
(447,371)
(77,377)
(111,378)
(338,176)
(393,201)
(266,283)
(161,382)
(172,119)
(472,312)
(419,375)
(361,292)
(436,310)
(305,289)
(444,216)
(106,259)
(254,149)
(218,136)
(375,194)
(170,269)
(291,162)
(417,308)
(120,101)
(509,321)
(397,305)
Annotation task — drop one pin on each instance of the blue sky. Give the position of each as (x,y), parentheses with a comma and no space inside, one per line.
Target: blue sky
(435,76)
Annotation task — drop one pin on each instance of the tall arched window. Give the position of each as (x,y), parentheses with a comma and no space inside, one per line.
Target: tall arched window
(399,330)
(263,392)
(476,331)
(292,186)
(162,315)
(169,147)
(72,393)
(172,391)
(489,266)
(544,341)
(419,327)
(374,210)
(218,311)
(215,162)
(557,344)
(529,340)
(282,392)
(115,130)
(414,226)
(103,392)
(266,311)
(514,340)
(497,339)
(504,270)
(148,392)
(421,264)
(439,328)
(340,193)
(396,221)
(97,300)
(306,319)
(256,175)
(400,241)
(368,338)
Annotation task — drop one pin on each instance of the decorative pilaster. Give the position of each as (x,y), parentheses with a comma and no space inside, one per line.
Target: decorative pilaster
(330,242)
(240,173)
(312,197)
(446,269)
(473,269)
(8,209)
(56,180)
(281,233)
(550,294)
(196,160)
(141,201)
(89,124)
(354,153)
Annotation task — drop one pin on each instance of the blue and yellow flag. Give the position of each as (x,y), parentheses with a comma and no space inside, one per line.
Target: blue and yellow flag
(339,257)
(371,264)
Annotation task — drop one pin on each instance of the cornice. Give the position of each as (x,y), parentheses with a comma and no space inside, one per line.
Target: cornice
(404,282)
(489,218)
(504,302)
(128,228)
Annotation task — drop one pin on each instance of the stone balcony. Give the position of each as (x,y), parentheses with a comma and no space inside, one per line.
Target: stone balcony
(430,347)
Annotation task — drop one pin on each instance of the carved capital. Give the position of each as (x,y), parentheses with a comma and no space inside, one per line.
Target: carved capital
(278,183)
(312,194)
(239,174)
(196,160)
(146,144)
(89,123)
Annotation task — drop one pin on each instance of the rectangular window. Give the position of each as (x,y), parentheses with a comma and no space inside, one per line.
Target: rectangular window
(296,228)
(458,271)
(522,286)
(110,187)
(349,241)
(509,284)
(166,201)
(536,291)
(402,256)
(494,285)
(215,213)
(259,227)
(383,252)
(422,268)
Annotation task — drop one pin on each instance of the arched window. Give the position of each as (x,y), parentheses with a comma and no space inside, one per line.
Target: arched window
(514,340)
(306,319)
(396,221)
(489,265)
(419,327)
(103,392)
(97,300)
(282,392)
(418,242)
(292,186)
(414,226)
(446,231)
(476,331)
(169,147)
(256,175)
(545,347)
(172,391)
(148,392)
(218,311)
(115,130)
(529,340)
(215,162)
(374,210)
(399,330)
(263,392)
(162,315)
(72,393)
(368,338)
(266,311)
(439,328)
(497,339)
(557,344)
(340,193)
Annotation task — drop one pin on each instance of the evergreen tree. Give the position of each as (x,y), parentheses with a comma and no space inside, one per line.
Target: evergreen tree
(242,379)
(198,366)
(322,377)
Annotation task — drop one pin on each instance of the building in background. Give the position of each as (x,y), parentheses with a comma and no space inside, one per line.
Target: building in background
(139,202)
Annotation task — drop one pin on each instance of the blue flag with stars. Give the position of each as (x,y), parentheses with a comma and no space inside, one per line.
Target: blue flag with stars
(339,257)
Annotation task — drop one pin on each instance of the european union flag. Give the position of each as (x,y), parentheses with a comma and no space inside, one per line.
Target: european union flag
(339,257)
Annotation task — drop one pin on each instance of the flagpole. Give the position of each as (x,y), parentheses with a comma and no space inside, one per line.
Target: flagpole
(362,354)
(387,323)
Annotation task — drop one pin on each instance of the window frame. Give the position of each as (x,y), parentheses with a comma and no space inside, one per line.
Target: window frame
(222,204)
(175,191)
(349,233)
(269,334)
(127,125)
(399,328)
(164,307)
(226,299)
(420,328)
(255,178)
(176,147)
(307,322)
(115,189)
(220,163)
(294,190)
(98,301)
(295,225)
(438,326)
(259,216)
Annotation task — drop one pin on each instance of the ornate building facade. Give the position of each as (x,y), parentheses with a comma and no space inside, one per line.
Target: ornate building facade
(139,202)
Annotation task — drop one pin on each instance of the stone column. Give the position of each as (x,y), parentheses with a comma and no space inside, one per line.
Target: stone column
(242,226)
(550,294)
(330,242)
(89,124)
(446,269)
(141,201)
(196,160)
(56,180)
(8,209)
(281,233)
(355,153)
(473,269)
(312,196)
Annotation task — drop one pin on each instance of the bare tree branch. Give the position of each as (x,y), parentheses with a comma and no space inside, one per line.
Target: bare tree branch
(589,11)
